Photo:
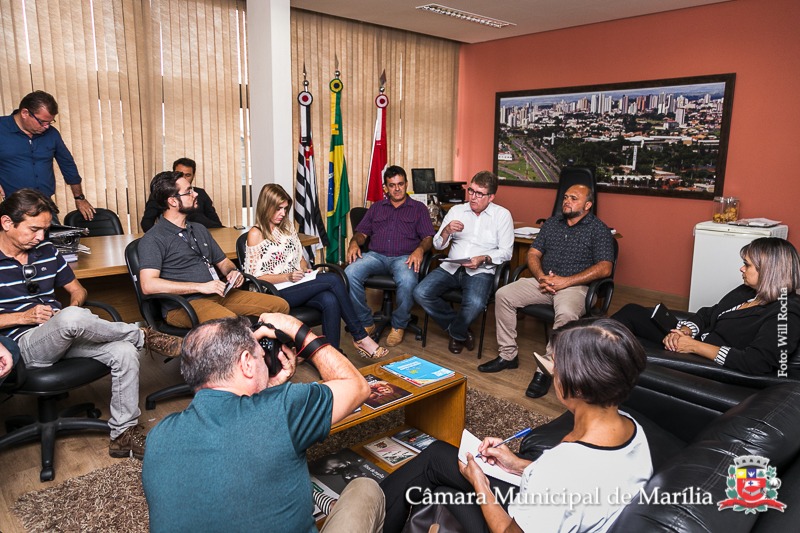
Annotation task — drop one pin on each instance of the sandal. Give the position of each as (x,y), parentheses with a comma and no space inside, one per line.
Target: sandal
(379,353)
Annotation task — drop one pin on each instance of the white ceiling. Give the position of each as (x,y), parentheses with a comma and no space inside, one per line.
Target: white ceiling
(529,16)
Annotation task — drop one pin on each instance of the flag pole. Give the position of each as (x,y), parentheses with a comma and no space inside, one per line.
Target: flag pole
(306,206)
(378,160)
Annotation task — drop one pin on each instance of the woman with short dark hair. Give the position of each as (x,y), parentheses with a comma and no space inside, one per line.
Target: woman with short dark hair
(742,331)
(596,365)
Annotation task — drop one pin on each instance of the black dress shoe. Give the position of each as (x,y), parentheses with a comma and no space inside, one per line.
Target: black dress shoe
(498,364)
(469,344)
(539,385)
(455,346)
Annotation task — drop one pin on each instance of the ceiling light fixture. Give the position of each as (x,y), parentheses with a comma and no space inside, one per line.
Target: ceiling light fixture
(464,15)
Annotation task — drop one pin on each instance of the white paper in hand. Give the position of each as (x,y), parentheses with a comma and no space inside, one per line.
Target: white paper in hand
(306,278)
(469,444)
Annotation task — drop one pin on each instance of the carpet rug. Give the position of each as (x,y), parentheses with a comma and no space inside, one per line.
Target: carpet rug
(112,499)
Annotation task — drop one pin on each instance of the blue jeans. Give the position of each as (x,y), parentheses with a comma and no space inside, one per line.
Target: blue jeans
(371,264)
(76,332)
(327,293)
(475,292)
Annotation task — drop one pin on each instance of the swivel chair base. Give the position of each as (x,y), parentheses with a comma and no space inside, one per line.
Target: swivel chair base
(50,421)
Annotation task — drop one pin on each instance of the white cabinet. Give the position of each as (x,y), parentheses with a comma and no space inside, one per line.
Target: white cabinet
(716,260)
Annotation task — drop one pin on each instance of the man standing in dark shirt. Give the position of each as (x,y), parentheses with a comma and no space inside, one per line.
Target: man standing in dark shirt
(400,232)
(571,250)
(28,145)
(205,213)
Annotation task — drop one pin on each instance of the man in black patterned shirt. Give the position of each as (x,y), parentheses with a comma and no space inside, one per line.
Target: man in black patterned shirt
(571,250)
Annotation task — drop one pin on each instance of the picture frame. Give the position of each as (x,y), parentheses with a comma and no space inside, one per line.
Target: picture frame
(666,137)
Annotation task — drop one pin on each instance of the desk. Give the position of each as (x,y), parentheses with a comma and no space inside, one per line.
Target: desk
(108,252)
(105,274)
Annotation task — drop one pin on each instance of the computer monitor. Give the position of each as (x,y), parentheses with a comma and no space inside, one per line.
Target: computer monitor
(423,180)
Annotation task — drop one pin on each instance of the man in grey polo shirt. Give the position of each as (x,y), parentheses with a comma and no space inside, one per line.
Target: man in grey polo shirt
(181,257)
(571,250)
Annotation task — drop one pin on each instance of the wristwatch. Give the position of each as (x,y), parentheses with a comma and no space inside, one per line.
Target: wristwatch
(80,197)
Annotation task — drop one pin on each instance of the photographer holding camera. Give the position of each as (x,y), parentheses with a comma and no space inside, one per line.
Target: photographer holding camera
(235,459)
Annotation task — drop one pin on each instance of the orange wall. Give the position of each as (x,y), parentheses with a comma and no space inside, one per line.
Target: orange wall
(756,39)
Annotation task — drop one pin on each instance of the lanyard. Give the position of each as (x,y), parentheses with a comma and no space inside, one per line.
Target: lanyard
(199,251)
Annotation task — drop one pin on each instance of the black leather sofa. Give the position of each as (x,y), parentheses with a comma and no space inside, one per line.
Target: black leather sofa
(693,441)
(700,366)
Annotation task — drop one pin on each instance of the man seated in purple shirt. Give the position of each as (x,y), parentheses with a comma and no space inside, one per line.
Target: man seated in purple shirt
(400,232)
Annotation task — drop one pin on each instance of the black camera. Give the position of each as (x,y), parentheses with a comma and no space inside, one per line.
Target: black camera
(273,346)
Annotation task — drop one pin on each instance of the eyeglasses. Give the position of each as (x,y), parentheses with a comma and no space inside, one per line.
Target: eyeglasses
(477,194)
(42,123)
(29,272)
(187,193)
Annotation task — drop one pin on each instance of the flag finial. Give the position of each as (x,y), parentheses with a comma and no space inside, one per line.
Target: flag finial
(382,80)
(305,81)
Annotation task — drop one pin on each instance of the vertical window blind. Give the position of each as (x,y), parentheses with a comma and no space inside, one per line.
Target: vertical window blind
(139,84)
(421,73)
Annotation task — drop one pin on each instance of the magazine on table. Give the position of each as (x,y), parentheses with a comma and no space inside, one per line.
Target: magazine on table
(389,451)
(331,474)
(414,438)
(418,371)
(383,393)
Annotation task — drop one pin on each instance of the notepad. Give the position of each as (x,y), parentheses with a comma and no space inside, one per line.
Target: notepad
(308,277)
(664,319)
(469,444)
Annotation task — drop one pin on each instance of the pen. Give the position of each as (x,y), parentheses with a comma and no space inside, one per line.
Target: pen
(517,435)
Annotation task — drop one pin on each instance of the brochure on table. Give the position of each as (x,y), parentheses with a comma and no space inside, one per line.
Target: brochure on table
(418,371)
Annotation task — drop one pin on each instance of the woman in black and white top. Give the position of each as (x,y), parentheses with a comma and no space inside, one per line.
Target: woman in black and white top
(750,327)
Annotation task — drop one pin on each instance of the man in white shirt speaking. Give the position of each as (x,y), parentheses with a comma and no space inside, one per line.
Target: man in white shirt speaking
(481,237)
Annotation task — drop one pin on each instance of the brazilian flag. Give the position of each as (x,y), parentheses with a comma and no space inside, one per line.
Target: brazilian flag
(338,188)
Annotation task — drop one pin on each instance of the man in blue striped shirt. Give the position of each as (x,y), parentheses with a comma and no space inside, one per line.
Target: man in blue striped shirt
(30,271)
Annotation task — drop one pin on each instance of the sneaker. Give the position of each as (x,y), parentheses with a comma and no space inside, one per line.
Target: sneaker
(395,337)
(155,341)
(130,443)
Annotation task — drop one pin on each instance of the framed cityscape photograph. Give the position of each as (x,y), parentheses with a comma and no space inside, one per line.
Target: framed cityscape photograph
(658,137)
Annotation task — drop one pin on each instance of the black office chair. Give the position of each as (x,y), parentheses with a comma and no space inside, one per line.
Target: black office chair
(105,222)
(51,385)
(386,283)
(454,296)
(573,176)
(150,308)
(307,315)
(598,297)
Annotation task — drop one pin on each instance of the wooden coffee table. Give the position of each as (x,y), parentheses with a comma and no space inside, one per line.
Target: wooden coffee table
(437,409)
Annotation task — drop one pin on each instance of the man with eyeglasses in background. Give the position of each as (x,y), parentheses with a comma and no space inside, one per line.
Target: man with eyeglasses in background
(181,257)
(28,145)
(205,213)
(480,235)
(30,271)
